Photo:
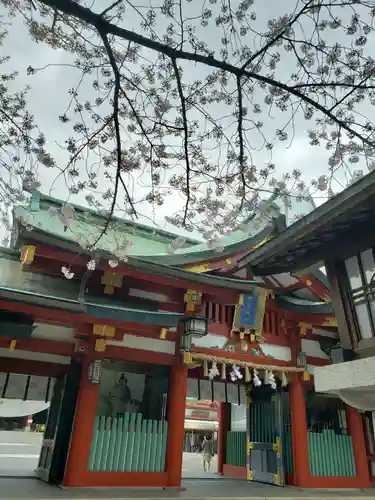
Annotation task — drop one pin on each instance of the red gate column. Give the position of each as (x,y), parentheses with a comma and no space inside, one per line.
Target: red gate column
(224,427)
(176,423)
(299,432)
(78,459)
(355,428)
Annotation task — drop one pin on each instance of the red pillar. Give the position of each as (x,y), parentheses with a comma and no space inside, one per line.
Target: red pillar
(176,423)
(299,432)
(79,452)
(224,427)
(355,428)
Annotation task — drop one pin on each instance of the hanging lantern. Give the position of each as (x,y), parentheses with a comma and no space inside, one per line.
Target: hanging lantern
(301,360)
(95,371)
(195,326)
(185,343)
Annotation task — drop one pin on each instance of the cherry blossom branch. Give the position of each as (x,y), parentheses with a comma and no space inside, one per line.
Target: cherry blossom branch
(103,26)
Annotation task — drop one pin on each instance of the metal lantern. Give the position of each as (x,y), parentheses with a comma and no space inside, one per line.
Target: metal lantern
(301,360)
(195,326)
(185,343)
(95,371)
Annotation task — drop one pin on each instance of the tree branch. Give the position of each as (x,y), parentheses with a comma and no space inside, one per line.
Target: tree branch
(116,95)
(277,37)
(186,137)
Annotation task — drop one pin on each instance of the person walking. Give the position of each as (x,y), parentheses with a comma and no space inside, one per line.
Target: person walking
(207,449)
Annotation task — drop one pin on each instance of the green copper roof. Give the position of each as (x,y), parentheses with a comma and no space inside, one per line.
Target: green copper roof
(42,214)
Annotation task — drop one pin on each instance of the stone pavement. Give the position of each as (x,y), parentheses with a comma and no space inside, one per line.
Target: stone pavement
(221,488)
(192,467)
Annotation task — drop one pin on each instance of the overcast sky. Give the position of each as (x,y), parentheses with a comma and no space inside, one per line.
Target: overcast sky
(48,99)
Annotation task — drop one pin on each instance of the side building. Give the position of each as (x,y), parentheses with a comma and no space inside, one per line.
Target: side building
(338,236)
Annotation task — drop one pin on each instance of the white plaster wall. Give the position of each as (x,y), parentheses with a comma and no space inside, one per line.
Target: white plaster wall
(350,375)
(280,352)
(312,348)
(145,344)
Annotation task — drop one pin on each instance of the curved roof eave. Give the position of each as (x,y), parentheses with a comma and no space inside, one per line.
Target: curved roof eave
(312,308)
(201,253)
(147,245)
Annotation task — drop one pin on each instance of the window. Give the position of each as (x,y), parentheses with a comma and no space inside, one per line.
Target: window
(360,271)
(127,387)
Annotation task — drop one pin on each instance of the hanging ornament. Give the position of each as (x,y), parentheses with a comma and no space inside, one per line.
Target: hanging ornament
(266,378)
(256,380)
(91,265)
(214,372)
(247,374)
(205,368)
(284,380)
(224,371)
(236,374)
(272,380)
(113,263)
(66,272)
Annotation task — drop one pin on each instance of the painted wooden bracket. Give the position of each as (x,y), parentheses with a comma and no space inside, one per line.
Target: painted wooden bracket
(330,321)
(100,345)
(27,255)
(111,281)
(104,331)
(303,327)
(12,345)
(187,358)
(163,333)
(306,376)
(192,299)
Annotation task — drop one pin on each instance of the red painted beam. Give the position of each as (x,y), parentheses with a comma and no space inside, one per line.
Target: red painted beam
(30,367)
(314,361)
(75,320)
(316,287)
(66,258)
(41,345)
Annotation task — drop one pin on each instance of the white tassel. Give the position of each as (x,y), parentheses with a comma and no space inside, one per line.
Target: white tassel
(224,371)
(272,380)
(266,378)
(205,368)
(284,380)
(214,372)
(256,380)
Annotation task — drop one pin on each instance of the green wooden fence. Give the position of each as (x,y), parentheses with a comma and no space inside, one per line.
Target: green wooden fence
(331,454)
(262,424)
(286,436)
(128,443)
(236,448)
